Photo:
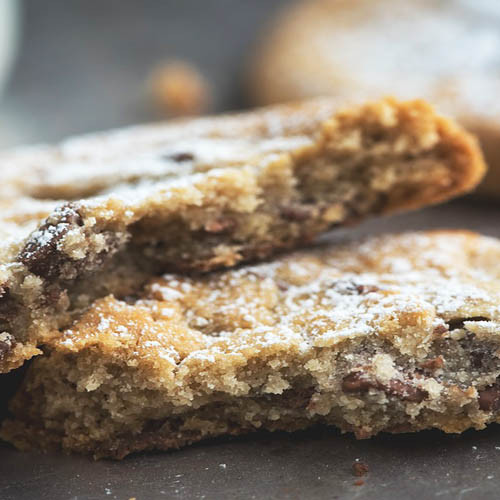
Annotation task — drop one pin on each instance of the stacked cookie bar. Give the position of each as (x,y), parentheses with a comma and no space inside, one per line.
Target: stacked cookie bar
(392,334)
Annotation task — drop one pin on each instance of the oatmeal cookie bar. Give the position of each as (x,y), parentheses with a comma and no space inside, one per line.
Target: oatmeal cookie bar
(396,334)
(446,51)
(204,194)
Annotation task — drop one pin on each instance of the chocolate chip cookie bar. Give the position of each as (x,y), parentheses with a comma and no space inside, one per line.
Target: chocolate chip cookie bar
(396,333)
(445,51)
(100,215)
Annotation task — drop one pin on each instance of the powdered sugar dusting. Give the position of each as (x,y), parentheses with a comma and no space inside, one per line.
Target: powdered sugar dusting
(139,166)
(322,297)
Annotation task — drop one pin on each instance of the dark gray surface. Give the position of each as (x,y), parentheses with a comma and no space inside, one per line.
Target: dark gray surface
(307,465)
(82,67)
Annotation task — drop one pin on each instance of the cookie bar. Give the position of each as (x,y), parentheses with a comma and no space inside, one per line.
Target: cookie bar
(204,194)
(396,334)
(447,52)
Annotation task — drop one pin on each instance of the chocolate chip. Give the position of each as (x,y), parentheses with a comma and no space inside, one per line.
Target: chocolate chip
(440,330)
(405,391)
(43,257)
(489,398)
(360,382)
(477,358)
(41,254)
(458,323)
(432,365)
(360,469)
(298,213)
(378,135)
(353,288)
(299,398)
(293,398)
(180,157)
(153,425)
(282,284)
(357,382)
(364,289)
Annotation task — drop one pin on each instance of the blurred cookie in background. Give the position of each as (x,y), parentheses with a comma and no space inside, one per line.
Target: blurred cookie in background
(179,89)
(446,51)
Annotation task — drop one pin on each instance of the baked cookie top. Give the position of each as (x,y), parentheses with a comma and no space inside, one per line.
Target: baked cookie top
(101,214)
(407,289)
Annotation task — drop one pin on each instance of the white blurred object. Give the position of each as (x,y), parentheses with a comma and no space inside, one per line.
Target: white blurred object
(490,6)
(9,21)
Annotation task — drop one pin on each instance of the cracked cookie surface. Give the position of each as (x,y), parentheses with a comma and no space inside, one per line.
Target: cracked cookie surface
(395,333)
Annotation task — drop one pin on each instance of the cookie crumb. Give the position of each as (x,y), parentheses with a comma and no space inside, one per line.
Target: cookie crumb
(359,469)
(179,89)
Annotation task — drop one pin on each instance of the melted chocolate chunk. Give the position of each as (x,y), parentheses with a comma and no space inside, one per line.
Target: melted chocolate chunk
(440,330)
(432,365)
(357,382)
(404,391)
(180,157)
(297,213)
(489,398)
(282,284)
(364,289)
(292,398)
(299,398)
(353,288)
(480,358)
(457,323)
(41,254)
(360,382)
